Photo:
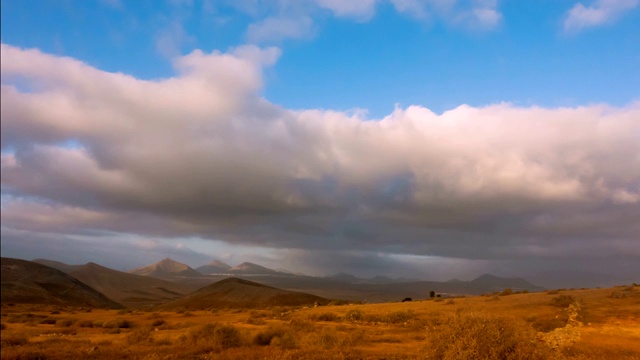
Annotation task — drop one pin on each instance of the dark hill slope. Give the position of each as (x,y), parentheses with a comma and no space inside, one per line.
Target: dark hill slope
(239,293)
(26,282)
(129,289)
(56,265)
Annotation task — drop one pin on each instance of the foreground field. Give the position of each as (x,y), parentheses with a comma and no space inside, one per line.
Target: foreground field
(561,324)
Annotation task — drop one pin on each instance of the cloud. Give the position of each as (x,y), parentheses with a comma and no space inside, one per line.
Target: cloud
(277,21)
(170,41)
(202,155)
(600,12)
(359,9)
(278,29)
(479,14)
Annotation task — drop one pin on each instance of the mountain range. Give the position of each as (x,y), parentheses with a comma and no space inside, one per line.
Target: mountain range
(168,281)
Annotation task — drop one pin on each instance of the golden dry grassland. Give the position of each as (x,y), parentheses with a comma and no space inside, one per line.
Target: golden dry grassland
(559,324)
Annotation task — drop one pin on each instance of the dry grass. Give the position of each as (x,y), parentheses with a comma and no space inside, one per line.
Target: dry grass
(570,324)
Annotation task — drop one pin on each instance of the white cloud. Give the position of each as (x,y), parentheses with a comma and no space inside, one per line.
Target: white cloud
(201,154)
(278,29)
(478,14)
(170,41)
(358,9)
(600,12)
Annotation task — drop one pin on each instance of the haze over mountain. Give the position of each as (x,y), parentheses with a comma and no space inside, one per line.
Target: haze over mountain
(247,268)
(240,293)
(33,283)
(131,290)
(214,267)
(166,268)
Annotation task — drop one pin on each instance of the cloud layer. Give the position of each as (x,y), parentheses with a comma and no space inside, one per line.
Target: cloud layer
(202,155)
(598,13)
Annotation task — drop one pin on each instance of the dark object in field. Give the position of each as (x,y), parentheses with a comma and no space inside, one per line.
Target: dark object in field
(406,299)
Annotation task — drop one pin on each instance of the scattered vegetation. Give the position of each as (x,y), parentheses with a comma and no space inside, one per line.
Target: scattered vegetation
(531,326)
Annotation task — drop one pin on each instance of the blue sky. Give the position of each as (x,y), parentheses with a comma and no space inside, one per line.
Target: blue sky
(428,138)
(527,57)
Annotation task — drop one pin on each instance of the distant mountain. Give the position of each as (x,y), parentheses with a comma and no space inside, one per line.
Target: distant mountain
(214,267)
(239,293)
(381,280)
(56,265)
(33,283)
(166,268)
(247,268)
(554,279)
(129,289)
(344,277)
(488,282)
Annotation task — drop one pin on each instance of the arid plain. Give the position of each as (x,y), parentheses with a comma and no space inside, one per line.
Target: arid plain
(554,324)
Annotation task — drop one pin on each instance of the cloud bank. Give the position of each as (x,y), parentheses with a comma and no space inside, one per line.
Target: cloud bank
(600,12)
(202,155)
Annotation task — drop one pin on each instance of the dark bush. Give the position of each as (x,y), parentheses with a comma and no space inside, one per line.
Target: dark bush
(563,300)
(354,315)
(483,336)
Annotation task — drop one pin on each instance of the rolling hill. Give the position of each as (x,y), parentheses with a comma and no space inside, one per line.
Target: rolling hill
(239,293)
(129,289)
(27,282)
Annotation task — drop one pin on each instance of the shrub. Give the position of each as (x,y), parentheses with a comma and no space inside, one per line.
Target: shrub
(214,337)
(48,321)
(547,323)
(398,317)
(158,322)
(65,322)
(227,336)
(86,324)
(139,336)
(278,335)
(354,315)
(116,324)
(13,341)
(482,336)
(327,316)
(506,292)
(618,295)
(563,300)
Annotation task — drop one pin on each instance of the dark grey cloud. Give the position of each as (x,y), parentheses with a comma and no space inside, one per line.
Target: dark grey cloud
(202,155)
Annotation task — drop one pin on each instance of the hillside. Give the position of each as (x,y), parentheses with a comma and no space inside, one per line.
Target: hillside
(32,283)
(239,293)
(166,268)
(128,289)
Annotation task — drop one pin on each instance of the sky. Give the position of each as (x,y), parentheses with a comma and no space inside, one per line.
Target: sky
(429,139)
